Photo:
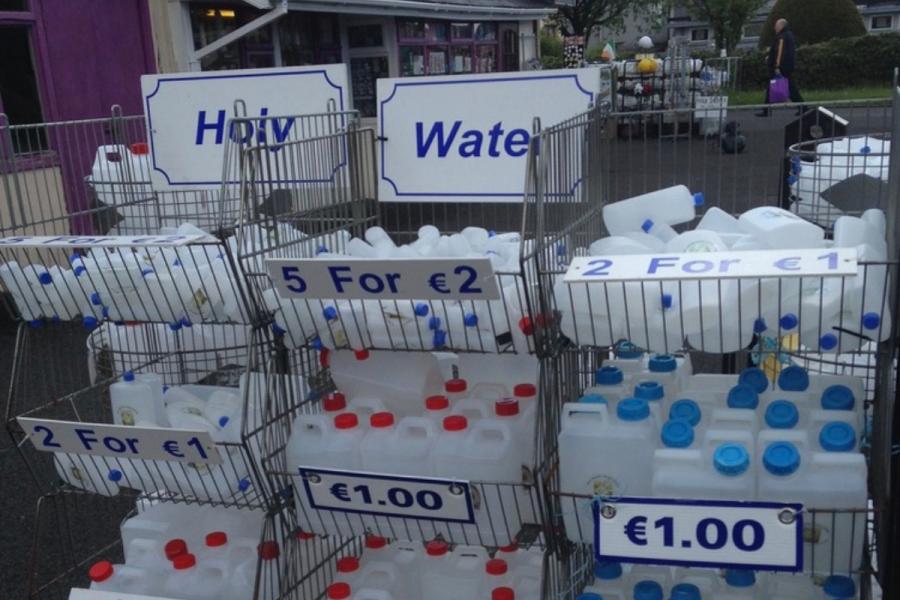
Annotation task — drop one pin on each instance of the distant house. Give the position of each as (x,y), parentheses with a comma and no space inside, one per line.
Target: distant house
(700,35)
(880,15)
(651,22)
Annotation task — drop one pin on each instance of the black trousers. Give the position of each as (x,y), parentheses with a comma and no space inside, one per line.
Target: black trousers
(793,91)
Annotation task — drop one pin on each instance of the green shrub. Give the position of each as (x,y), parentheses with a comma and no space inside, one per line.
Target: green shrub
(551,46)
(838,64)
(814,21)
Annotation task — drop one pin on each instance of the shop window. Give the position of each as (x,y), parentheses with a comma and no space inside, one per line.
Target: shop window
(19,97)
(365,36)
(438,48)
(364,72)
(309,39)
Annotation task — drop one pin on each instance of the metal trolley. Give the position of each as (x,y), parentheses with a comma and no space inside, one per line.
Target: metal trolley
(583,321)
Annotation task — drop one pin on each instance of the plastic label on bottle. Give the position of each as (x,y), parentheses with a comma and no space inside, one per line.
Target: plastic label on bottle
(111,241)
(700,533)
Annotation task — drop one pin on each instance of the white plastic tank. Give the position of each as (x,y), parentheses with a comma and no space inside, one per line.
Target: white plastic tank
(672,205)
(780,228)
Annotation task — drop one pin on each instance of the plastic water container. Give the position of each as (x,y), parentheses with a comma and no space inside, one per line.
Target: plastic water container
(188,579)
(609,383)
(307,444)
(716,219)
(627,357)
(224,410)
(106,576)
(448,576)
(133,401)
(791,472)
(589,436)
(19,282)
(738,584)
(789,586)
(521,422)
(786,415)
(672,205)
(401,395)
(779,228)
(402,448)
(87,473)
(721,468)
(702,580)
(609,582)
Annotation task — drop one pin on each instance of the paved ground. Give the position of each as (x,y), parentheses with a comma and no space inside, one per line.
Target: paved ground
(56,362)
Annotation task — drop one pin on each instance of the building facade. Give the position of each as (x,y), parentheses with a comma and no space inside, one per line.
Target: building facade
(375,38)
(880,16)
(700,35)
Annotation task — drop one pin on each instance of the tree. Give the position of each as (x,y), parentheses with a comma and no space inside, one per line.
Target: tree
(727,18)
(814,21)
(582,17)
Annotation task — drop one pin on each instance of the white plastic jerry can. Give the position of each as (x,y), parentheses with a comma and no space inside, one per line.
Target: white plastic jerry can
(106,576)
(720,469)
(133,401)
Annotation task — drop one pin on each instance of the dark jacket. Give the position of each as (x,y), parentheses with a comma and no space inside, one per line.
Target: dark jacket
(783,53)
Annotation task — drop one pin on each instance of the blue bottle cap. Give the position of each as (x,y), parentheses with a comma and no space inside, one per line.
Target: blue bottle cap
(434,323)
(755,378)
(95,299)
(79,271)
(740,578)
(627,350)
(223,421)
(837,436)
(321,249)
(743,396)
(45,278)
(839,587)
(35,323)
(439,339)
(731,459)
(146,271)
(176,262)
(698,199)
(781,458)
(421,309)
(330,313)
(128,376)
(649,390)
(647,225)
(73,257)
(648,590)
(316,343)
(838,397)
(491,233)
(470,320)
(685,409)
(677,433)
(788,321)
(105,312)
(173,326)
(828,341)
(667,300)
(114,475)
(593,399)
(608,570)
(865,150)
(792,179)
(782,414)
(685,591)
(89,321)
(608,375)
(633,409)
(871,320)
(185,322)
(759,325)
(244,484)
(662,363)
(793,379)
(278,329)
(589,596)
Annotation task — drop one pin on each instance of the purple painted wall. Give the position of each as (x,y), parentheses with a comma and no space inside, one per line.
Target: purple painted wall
(91,55)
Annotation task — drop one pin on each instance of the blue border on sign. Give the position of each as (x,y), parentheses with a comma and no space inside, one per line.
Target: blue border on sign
(797,508)
(456,81)
(159,81)
(467,492)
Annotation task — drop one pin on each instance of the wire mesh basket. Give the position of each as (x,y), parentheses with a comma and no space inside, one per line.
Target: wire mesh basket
(190,368)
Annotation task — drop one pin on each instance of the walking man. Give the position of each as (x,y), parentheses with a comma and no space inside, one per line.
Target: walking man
(782,58)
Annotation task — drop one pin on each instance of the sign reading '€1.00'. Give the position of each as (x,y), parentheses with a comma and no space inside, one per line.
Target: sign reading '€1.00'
(187,115)
(465,138)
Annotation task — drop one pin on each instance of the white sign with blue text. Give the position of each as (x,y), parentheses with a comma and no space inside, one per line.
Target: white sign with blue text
(700,533)
(385,279)
(464,138)
(187,115)
(388,495)
(821,262)
(120,441)
(108,241)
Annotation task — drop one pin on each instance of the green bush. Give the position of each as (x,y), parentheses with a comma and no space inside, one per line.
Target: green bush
(551,46)
(838,64)
(814,21)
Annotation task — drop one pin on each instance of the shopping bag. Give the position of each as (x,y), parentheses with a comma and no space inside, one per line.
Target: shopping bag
(778,90)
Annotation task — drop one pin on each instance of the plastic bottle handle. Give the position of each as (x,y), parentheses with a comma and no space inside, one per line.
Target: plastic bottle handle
(416,426)
(596,412)
(483,429)
(489,391)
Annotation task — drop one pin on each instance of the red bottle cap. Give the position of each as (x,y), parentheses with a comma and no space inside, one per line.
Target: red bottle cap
(346,420)
(348,564)
(495,566)
(455,386)
(361,354)
(269,550)
(526,326)
(338,591)
(175,548)
(334,401)
(373,542)
(381,419)
(216,538)
(524,390)
(436,548)
(507,407)
(184,561)
(140,148)
(437,403)
(303,535)
(455,423)
(323,358)
(100,571)
(503,593)
(512,547)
